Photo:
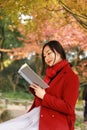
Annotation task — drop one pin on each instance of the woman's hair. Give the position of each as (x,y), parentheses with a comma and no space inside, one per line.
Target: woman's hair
(54,46)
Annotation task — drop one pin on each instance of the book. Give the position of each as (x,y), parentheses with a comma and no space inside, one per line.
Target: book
(30,76)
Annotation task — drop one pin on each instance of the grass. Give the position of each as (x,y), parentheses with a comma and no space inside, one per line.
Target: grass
(16,98)
(79,105)
(17,95)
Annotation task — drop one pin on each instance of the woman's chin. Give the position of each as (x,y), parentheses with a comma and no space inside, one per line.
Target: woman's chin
(50,64)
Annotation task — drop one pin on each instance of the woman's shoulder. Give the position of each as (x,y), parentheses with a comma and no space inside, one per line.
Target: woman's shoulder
(70,72)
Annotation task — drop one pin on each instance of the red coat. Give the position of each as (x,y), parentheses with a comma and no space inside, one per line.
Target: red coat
(58,105)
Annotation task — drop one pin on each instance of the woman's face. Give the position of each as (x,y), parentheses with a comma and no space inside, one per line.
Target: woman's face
(50,57)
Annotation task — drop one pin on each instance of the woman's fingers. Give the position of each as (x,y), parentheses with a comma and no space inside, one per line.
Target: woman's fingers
(34,86)
(39,92)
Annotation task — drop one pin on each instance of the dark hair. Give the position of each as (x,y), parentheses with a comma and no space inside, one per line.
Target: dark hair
(54,46)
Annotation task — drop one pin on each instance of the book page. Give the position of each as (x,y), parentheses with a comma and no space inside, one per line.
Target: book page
(30,76)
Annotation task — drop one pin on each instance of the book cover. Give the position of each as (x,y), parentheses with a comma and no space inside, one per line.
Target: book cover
(30,76)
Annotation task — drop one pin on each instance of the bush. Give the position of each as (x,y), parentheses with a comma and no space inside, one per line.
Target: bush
(4,85)
(6,115)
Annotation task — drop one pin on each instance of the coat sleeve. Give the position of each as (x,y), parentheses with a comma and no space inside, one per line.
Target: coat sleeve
(32,106)
(32,90)
(67,103)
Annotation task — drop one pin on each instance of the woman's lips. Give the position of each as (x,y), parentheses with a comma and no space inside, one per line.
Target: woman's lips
(49,61)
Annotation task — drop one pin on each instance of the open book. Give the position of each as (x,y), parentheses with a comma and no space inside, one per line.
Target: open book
(30,76)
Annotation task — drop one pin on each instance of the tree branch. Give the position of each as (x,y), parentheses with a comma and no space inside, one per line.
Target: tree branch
(76,16)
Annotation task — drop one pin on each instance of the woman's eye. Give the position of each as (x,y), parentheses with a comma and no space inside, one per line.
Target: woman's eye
(49,53)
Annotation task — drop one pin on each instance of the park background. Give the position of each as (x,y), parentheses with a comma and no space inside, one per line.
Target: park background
(25,26)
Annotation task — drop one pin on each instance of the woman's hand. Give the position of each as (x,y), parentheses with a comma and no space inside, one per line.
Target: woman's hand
(39,92)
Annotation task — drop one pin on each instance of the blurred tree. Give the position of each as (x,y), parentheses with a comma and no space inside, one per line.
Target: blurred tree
(78,59)
(45,20)
(40,10)
(8,38)
(78,9)
(10,77)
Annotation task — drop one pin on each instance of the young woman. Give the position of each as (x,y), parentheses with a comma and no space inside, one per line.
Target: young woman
(54,107)
(57,103)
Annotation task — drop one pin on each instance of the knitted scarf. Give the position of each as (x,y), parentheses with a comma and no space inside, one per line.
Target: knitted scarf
(52,71)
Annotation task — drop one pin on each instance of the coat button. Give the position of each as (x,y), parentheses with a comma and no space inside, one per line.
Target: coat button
(41,115)
(52,115)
